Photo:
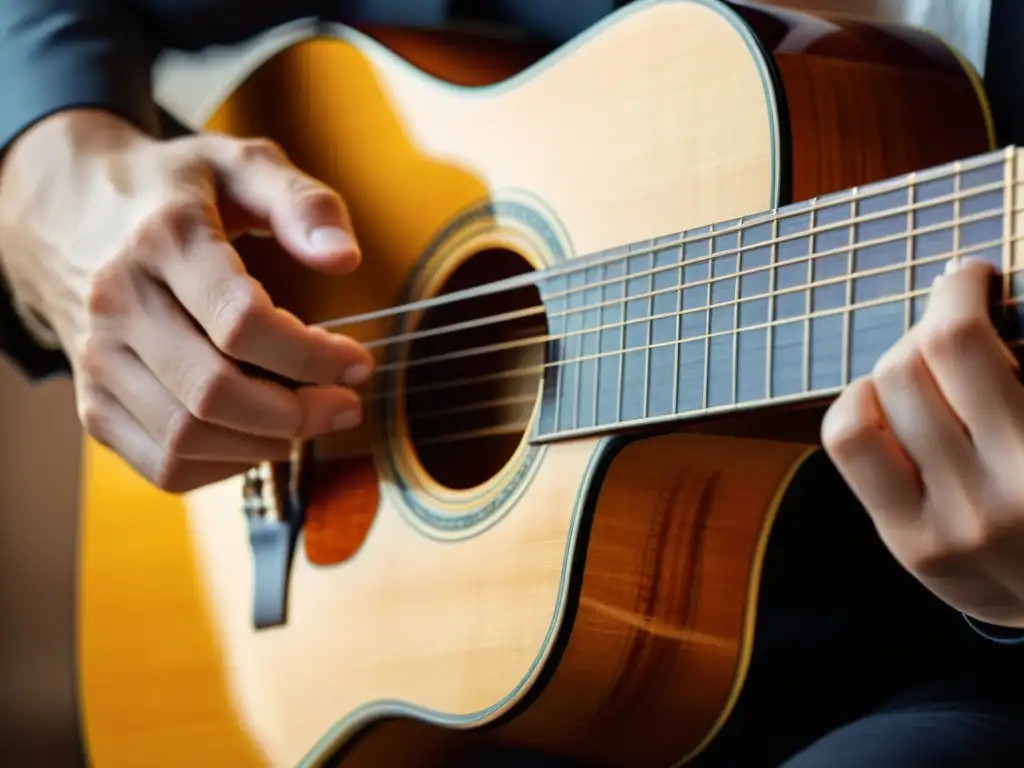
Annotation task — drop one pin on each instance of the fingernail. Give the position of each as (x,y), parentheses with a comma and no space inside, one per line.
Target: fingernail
(347,419)
(356,375)
(952,265)
(331,240)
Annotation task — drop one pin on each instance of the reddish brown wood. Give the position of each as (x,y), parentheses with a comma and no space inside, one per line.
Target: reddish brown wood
(865,100)
(343,501)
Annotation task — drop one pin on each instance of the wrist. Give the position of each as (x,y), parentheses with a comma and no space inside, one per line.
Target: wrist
(87,130)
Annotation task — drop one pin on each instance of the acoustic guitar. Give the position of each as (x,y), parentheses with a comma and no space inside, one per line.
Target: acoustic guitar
(611,288)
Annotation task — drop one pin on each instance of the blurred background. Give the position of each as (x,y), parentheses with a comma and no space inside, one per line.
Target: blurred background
(40,451)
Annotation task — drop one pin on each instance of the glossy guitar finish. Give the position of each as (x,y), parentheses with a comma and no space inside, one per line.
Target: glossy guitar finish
(593,595)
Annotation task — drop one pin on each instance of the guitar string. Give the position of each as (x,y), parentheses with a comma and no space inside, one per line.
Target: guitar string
(615,254)
(686,263)
(772,295)
(855,194)
(647,318)
(509,428)
(704,236)
(521,371)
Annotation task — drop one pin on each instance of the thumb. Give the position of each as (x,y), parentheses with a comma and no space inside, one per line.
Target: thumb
(308,218)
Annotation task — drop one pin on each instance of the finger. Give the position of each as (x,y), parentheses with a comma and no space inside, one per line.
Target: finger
(216,391)
(962,348)
(209,279)
(307,217)
(924,424)
(857,437)
(177,431)
(111,425)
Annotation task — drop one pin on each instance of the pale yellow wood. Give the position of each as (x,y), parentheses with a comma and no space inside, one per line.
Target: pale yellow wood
(658,122)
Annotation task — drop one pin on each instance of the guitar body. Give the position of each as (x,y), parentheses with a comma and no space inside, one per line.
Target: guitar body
(590,597)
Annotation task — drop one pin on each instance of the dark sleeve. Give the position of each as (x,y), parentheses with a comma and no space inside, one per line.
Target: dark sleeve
(61,54)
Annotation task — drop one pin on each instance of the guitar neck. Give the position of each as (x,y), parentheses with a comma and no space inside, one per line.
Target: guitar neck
(787,305)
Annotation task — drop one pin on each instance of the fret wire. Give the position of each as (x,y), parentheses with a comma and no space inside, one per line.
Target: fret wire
(917,292)
(579,379)
(735,378)
(707,410)
(821,392)
(1010,302)
(648,336)
(559,372)
(956,210)
(773,252)
(858,193)
(806,379)
(1016,219)
(858,219)
(1009,222)
(576,397)
(844,377)
(622,345)
(678,335)
(534,369)
(730,407)
(947,256)
(932,228)
(592,260)
(597,367)
(707,328)
(908,278)
(846,310)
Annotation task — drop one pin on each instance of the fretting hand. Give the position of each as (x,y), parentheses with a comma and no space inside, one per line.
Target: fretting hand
(932,443)
(121,244)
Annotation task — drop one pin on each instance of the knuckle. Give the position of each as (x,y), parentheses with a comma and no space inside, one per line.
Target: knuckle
(845,438)
(310,195)
(172,227)
(846,430)
(952,337)
(109,294)
(207,395)
(944,551)
(259,150)
(167,474)
(95,419)
(895,364)
(94,359)
(234,315)
(927,552)
(972,536)
(181,433)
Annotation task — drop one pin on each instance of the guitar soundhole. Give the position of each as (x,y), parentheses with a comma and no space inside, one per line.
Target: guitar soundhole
(470,391)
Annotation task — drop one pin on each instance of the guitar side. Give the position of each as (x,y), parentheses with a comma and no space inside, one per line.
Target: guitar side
(564,607)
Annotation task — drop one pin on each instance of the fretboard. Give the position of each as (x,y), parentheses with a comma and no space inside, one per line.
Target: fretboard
(791,304)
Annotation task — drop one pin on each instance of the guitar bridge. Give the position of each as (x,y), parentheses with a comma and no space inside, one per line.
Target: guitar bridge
(273,504)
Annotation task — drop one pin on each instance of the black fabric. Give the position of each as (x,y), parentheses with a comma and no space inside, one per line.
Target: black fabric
(848,640)
(1004,70)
